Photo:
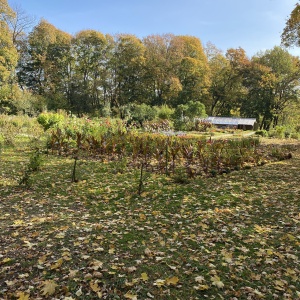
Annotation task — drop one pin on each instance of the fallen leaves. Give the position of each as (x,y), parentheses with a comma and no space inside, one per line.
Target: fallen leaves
(238,238)
(217,282)
(131,296)
(144,277)
(48,287)
(22,296)
(172,280)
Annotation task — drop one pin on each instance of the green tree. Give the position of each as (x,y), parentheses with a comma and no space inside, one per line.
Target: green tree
(88,54)
(272,83)
(142,112)
(44,68)
(36,71)
(127,70)
(162,84)
(226,90)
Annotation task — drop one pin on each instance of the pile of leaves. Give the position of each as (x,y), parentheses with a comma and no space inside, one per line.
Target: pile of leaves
(235,236)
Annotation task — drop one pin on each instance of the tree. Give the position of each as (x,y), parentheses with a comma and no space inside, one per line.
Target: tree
(226,89)
(8,57)
(88,52)
(127,67)
(291,33)
(273,85)
(42,70)
(193,71)
(162,61)
(8,53)
(19,25)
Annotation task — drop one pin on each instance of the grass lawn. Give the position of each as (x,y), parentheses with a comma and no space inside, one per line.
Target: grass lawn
(235,236)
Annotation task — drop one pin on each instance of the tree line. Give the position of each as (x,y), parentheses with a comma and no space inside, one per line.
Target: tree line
(93,73)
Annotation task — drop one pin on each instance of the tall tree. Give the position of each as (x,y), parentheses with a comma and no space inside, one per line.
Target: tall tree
(226,90)
(162,63)
(193,72)
(8,57)
(41,69)
(88,52)
(20,24)
(291,33)
(127,67)
(272,85)
(8,53)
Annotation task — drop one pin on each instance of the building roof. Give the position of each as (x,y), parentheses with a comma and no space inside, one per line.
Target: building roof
(231,121)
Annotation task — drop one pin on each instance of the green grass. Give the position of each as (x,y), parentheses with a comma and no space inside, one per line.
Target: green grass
(235,236)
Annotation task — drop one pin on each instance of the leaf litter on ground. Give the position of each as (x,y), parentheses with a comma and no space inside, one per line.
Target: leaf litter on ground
(235,236)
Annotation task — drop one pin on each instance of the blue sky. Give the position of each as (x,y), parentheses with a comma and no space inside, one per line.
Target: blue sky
(254,25)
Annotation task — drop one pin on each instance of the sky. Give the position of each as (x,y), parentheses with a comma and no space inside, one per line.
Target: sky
(254,25)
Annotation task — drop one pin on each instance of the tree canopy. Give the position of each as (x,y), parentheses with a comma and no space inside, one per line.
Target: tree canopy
(90,72)
(291,33)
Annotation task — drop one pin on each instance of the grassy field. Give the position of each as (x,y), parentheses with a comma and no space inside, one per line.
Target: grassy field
(235,236)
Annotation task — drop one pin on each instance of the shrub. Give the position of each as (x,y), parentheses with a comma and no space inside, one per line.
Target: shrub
(295,135)
(142,113)
(164,112)
(48,120)
(157,126)
(263,133)
(202,125)
(184,124)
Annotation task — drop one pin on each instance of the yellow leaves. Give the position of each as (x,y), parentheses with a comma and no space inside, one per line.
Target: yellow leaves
(72,273)
(169,281)
(42,259)
(49,287)
(10,282)
(159,282)
(60,235)
(111,249)
(217,282)
(18,223)
(57,264)
(256,277)
(290,272)
(258,294)
(6,260)
(94,286)
(131,296)
(262,229)
(96,264)
(291,256)
(227,256)
(142,217)
(22,296)
(66,255)
(131,269)
(144,277)
(133,282)
(172,281)
(290,237)
(28,244)
(201,287)
(280,285)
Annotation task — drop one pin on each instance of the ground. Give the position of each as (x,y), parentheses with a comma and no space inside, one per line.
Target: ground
(235,236)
